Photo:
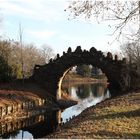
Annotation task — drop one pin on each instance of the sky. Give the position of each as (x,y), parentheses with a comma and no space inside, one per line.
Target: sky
(46,22)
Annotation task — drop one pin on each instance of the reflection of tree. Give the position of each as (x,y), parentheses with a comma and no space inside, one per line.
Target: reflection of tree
(97,90)
(105,91)
(39,126)
(68,91)
(83,91)
(12,135)
(100,90)
(94,89)
(44,128)
(5,136)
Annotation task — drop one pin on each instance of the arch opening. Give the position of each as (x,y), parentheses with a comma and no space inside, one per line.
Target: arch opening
(80,74)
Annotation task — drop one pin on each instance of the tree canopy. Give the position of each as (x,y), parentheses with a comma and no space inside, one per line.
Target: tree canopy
(10,51)
(84,70)
(5,70)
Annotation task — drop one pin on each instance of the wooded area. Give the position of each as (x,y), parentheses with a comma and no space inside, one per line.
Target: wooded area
(13,56)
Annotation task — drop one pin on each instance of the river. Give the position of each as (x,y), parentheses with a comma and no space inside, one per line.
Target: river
(41,125)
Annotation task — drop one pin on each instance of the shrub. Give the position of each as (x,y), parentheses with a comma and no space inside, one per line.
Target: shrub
(5,71)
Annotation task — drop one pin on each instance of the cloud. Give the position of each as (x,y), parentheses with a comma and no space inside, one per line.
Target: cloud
(14,8)
(31,9)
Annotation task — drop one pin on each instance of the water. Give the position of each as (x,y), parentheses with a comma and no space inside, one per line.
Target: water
(87,95)
(44,124)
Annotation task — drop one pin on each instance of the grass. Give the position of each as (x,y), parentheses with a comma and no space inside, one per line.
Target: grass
(118,117)
(12,94)
(75,79)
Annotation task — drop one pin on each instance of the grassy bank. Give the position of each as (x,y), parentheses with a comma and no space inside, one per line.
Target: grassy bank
(118,117)
(30,87)
(71,77)
(19,100)
(74,79)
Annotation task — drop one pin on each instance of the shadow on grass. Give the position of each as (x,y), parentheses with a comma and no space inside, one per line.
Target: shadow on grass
(128,114)
(108,134)
(28,86)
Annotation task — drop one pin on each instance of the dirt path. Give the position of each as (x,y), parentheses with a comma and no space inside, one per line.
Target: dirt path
(118,117)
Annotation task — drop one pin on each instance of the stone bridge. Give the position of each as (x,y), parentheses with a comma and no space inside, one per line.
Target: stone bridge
(121,76)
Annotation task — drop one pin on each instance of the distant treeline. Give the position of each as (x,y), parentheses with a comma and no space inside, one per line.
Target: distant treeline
(18,60)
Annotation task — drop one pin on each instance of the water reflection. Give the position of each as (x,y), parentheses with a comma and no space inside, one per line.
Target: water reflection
(45,127)
(44,124)
(87,95)
(83,91)
(34,127)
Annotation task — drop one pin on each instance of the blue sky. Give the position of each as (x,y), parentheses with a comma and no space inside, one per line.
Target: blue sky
(46,22)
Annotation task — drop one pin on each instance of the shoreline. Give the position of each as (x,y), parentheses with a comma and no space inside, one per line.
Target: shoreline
(20,102)
(117,117)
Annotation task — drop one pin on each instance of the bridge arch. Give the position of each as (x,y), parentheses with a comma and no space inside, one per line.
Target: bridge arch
(58,93)
(52,74)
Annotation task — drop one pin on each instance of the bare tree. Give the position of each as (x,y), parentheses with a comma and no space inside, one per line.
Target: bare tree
(132,52)
(5,50)
(21,45)
(124,13)
(10,50)
(47,53)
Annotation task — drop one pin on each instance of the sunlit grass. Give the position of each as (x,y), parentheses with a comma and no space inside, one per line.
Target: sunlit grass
(115,118)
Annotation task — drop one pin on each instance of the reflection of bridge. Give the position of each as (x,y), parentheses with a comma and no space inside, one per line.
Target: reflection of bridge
(39,126)
(7,127)
(121,76)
